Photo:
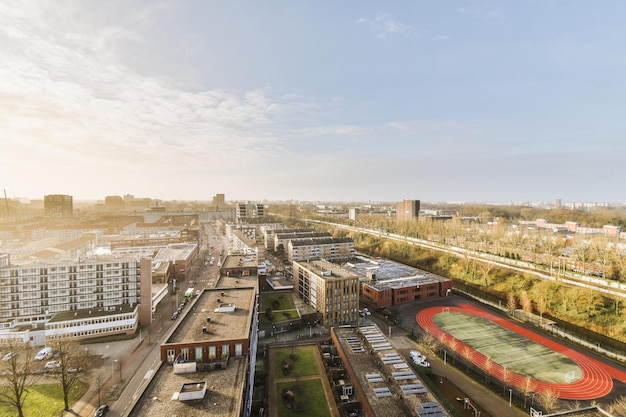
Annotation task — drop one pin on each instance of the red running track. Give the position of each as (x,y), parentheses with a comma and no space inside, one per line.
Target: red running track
(597,377)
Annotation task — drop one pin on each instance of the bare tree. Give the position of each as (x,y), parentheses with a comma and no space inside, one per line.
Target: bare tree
(454,345)
(506,377)
(548,399)
(429,343)
(619,406)
(541,306)
(528,387)
(99,382)
(526,302)
(485,268)
(511,302)
(468,355)
(17,378)
(72,365)
(488,367)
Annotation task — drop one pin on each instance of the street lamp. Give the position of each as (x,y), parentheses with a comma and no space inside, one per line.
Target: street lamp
(510,396)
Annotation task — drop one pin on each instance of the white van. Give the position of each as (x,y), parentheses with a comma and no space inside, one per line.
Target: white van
(43,353)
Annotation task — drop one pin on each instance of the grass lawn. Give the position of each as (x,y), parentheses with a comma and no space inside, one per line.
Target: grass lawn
(277,301)
(46,400)
(303,365)
(278,316)
(309,395)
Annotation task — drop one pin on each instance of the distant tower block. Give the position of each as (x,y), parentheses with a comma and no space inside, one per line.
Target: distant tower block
(407,210)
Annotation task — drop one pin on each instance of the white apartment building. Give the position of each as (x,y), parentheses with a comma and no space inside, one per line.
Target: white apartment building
(34,293)
(328,248)
(331,290)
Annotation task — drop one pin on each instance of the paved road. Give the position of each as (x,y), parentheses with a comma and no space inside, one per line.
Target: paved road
(140,358)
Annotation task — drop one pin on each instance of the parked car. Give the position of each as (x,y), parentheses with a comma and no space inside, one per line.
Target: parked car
(52,365)
(101,411)
(8,356)
(43,354)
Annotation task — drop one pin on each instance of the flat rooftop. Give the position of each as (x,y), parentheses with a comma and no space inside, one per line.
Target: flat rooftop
(391,386)
(93,312)
(312,241)
(223,397)
(31,261)
(223,325)
(390,274)
(240,261)
(175,251)
(326,269)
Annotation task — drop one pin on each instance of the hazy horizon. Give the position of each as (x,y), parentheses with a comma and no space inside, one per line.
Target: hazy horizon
(467,100)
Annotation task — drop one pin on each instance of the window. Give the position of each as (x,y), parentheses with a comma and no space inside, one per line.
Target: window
(238,349)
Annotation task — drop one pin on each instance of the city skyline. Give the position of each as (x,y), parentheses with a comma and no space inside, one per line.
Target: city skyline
(458,101)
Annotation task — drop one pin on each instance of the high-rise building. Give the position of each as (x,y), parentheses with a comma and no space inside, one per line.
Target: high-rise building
(58,205)
(407,210)
(219,200)
(66,295)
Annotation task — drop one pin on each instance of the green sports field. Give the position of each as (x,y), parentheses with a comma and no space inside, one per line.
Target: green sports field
(509,349)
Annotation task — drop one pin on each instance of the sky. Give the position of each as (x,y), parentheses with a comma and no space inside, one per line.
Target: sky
(460,100)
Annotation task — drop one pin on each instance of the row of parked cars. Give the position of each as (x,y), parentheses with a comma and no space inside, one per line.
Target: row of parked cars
(44,353)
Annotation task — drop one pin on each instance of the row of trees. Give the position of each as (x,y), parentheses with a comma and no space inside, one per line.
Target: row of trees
(501,231)
(17,371)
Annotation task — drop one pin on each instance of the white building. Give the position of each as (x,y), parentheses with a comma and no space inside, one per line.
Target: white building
(33,294)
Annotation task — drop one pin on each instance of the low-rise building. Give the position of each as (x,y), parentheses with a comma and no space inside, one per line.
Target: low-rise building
(382,381)
(328,248)
(216,328)
(385,283)
(209,360)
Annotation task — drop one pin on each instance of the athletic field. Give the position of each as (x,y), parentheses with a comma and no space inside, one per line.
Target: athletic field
(509,349)
(516,355)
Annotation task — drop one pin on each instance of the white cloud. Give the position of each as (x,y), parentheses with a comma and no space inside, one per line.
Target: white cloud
(383,24)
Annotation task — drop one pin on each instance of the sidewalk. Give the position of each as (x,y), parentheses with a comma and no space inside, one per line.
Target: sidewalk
(110,353)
